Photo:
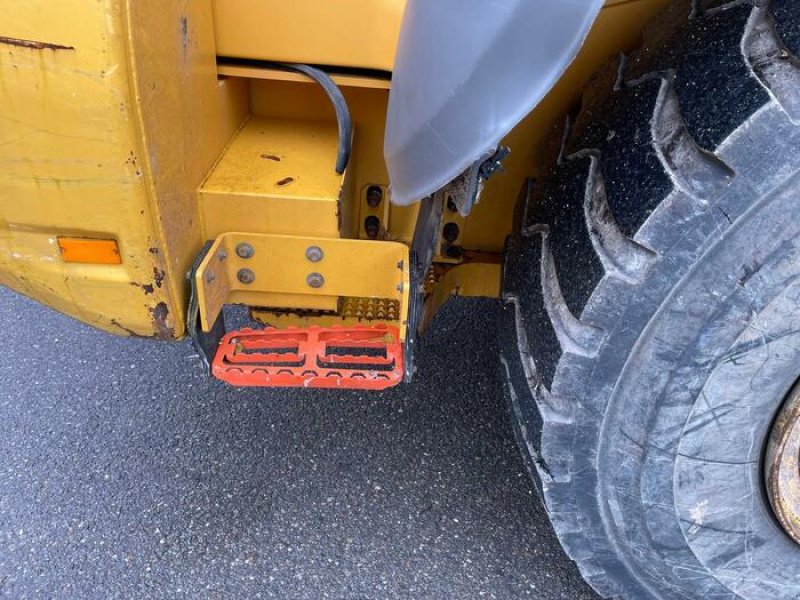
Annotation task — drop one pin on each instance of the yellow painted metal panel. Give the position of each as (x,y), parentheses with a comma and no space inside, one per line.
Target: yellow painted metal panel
(303,100)
(280,158)
(185,119)
(345,33)
(279,264)
(108,123)
(469,279)
(348,33)
(276,176)
(69,165)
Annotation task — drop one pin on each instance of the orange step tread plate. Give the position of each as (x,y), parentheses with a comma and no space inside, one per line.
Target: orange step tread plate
(360,357)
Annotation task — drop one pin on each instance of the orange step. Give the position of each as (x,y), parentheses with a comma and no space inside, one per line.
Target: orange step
(359,357)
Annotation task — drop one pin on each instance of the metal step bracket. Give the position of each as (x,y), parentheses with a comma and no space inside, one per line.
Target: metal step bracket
(264,270)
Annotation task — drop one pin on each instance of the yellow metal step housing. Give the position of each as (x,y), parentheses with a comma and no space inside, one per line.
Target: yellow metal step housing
(278,176)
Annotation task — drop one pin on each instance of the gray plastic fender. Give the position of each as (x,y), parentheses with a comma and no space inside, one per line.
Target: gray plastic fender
(466,72)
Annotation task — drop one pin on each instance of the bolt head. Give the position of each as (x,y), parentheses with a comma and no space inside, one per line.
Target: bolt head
(245,250)
(374,195)
(372,226)
(246,276)
(315,280)
(450,232)
(314,254)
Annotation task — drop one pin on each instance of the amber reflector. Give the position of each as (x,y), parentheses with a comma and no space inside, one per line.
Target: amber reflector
(87,250)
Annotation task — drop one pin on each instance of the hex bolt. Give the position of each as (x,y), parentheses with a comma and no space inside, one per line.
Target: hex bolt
(315,280)
(374,195)
(314,254)
(246,276)
(245,250)
(451,232)
(372,227)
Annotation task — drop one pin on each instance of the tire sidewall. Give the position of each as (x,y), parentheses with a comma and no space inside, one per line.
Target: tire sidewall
(679,481)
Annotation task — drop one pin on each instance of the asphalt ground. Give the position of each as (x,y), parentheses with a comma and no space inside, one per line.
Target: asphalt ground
(126,473)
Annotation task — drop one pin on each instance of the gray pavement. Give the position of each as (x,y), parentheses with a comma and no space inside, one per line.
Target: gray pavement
(125,473)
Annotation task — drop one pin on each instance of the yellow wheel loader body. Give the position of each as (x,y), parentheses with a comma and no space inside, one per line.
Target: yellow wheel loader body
(142,129)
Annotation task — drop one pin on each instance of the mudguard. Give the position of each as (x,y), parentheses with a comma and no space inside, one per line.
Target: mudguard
(466,72)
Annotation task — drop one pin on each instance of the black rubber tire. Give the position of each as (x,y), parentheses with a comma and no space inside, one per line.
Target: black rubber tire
(652,292)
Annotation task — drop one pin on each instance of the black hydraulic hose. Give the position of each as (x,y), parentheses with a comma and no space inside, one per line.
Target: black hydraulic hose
(339,103)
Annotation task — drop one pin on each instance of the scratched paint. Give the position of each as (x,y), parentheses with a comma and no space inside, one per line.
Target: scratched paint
(33,44)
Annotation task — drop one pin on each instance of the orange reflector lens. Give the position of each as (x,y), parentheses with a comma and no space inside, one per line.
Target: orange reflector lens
(90,251)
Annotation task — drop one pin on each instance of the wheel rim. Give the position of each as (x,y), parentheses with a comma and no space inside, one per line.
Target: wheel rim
(783,465)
